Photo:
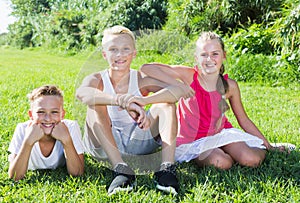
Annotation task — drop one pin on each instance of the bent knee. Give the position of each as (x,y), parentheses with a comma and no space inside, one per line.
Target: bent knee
(223,162)
(163,109)
(253,160)
(165,106)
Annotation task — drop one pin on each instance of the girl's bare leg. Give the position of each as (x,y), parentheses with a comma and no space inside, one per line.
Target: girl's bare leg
(245,155)
(217,158)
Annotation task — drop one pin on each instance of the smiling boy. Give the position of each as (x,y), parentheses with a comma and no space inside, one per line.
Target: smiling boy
(111,132)
(47,140)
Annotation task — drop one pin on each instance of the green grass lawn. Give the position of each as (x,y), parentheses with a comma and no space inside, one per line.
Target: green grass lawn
(276,111)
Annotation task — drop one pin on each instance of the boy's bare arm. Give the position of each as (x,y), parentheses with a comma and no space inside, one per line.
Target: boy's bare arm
(74,161)
(19,163)
(90,92)
(92,96)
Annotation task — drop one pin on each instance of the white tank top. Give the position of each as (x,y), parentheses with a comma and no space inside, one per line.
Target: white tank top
(114,112)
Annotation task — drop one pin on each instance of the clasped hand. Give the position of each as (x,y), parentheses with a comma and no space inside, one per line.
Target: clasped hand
(134,106)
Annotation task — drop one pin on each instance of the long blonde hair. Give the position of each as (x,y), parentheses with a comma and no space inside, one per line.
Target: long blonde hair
(222,84)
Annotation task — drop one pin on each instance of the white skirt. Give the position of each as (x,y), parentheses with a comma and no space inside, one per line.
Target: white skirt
(203,146)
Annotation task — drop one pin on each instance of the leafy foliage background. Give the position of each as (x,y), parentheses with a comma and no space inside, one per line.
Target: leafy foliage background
(259,34)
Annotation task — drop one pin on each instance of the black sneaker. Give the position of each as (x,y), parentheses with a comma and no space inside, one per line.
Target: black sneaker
(166,179)
(123,181)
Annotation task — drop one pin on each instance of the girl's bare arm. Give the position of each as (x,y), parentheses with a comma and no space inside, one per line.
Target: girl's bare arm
(168,74)
(238,109)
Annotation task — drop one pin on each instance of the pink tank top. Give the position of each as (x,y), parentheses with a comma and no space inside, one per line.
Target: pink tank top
(198,115)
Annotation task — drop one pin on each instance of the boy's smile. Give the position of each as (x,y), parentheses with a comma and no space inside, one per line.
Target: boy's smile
(119,51)
(47,111)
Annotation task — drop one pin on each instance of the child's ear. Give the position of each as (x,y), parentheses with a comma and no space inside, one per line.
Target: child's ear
(104,54)
(63,114)
(196,57)
(30,114)
(134,53)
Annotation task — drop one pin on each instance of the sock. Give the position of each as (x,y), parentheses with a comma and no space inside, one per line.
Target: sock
(165,164)
(122,163)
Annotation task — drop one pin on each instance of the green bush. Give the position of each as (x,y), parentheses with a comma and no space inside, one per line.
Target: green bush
(286,38)
(280,39)
(260,68)
(255,40)
(178,48)
(193,16)
(161,41)
(77,25)
(139,14)
(3,39)
(20,34)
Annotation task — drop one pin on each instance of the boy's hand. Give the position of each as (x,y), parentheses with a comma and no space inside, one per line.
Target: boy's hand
(139,115)
(61,132)
(123,100)
(134,106)
(33,133)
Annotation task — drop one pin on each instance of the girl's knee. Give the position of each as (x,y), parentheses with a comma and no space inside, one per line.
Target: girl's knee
(225,163)
(220,161)
(253,160)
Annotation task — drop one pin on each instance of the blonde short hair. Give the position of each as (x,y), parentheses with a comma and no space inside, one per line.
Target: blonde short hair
(117,30)
(46,90)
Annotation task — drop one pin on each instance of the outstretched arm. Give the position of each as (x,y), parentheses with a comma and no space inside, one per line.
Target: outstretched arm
(167,91)
(169,74)
(244,121)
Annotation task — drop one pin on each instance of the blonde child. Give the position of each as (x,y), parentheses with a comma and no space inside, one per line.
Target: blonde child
(114,129)
(204,133)
(47,140)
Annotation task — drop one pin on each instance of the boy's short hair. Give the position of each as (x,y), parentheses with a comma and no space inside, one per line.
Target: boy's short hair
(46,90)
(117,30)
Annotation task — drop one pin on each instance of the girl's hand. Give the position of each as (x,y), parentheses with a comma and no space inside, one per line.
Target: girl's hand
(33,133)
(283,147)
(268,145)
(138,100)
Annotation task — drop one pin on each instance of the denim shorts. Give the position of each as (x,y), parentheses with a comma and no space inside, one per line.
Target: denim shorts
(130,139)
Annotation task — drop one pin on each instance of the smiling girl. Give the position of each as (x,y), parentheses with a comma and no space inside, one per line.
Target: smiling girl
(204,133)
